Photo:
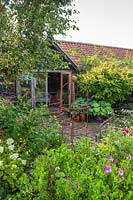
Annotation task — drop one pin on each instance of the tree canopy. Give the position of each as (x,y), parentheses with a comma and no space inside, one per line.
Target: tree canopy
(24,27)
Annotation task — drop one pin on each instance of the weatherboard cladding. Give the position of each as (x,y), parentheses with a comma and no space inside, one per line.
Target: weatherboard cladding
(77,50)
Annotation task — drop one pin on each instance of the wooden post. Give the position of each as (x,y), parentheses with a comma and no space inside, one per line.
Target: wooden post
(33,92)
(73,92)
(17,87)
(70,90)
(61,89)
(74,79)
(46,89)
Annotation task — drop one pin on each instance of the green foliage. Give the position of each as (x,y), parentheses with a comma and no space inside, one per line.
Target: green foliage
(30,128)
(100,108)
(107,82)
(11,167)
(80,101)
(109,56)
(24,27)
(80,105)
(89,171)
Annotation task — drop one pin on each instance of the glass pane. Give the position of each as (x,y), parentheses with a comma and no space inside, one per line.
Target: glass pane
(25,85)
(54,87)
(40,95)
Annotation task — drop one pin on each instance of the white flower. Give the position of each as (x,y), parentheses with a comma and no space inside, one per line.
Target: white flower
(57,168)
(1,163)
(14,156)
(1,149)
(13,166)
(11,147)
(9,141)
(23,162)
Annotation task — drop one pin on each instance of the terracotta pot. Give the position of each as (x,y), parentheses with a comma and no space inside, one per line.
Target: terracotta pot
(76,118)
(82,116)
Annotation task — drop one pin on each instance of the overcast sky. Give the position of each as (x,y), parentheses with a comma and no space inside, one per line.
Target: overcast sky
(105,22)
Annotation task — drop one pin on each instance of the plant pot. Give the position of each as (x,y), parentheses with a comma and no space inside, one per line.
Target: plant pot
(82,116)
(76,118)
(91,118)
(99,118)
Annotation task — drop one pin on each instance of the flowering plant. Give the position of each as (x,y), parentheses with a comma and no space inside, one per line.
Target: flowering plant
(28,127)
(11,167)
(88,171)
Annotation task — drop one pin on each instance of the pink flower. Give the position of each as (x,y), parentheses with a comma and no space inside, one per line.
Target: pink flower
(32,99)
(107,168)
(8,103)
(126,132)
(20,121)
(0,138)
(59,111)
(104,195)
(110,159)
(120,172)
(115,161)
(25,94)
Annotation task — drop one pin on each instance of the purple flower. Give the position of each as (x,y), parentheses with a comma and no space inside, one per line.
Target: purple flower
(129,157)
(68,127)
(110,159)
(121,172)
(68,179)
(107,168)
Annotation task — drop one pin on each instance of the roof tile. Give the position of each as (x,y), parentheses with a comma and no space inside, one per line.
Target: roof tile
(76,50)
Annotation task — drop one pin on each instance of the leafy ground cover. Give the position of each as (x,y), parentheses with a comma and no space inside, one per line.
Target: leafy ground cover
(88,171)
(35,165)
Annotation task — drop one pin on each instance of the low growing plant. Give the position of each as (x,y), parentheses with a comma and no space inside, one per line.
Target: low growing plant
(11,167)
(100,108)
(88,171)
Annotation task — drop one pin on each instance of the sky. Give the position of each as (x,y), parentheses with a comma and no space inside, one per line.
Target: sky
(103,22)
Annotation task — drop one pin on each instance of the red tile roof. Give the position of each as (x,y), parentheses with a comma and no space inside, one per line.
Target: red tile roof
(76,50)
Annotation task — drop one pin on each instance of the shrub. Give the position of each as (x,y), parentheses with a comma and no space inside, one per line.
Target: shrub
(11,167)
(107,82)
(89,171)
(30,128)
